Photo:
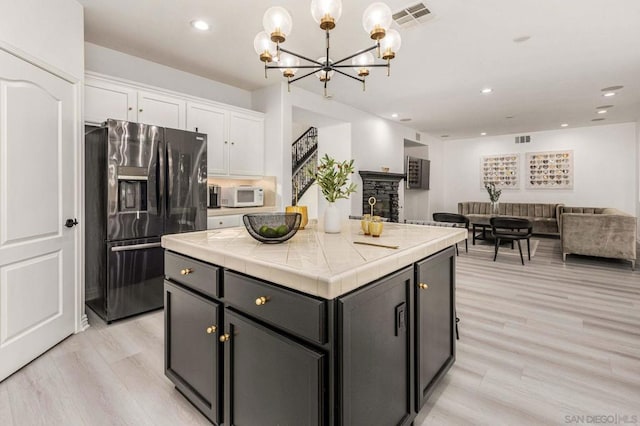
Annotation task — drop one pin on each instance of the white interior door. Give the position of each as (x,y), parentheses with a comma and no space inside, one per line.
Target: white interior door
(37,195)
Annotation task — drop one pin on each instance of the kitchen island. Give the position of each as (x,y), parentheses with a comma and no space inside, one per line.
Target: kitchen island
(319,330)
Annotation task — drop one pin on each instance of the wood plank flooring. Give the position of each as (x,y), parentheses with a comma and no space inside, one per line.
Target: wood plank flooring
(538,343)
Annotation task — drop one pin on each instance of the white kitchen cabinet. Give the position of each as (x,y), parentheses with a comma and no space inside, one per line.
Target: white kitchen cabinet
(235,140)
(161,110)
(212,121)
(103,100)
(217,222)
(235,137)
(246,136)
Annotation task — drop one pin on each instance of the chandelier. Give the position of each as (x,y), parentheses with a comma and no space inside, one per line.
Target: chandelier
(277,27)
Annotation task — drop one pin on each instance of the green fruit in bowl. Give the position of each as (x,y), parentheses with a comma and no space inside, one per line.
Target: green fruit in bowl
(282,230)
(263,230)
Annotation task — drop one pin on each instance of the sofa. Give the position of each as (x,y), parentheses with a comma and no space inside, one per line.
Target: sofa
(543,216)
(593,231)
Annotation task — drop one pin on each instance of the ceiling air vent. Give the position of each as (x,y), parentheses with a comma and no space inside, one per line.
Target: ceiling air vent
(523,139)
(412,15)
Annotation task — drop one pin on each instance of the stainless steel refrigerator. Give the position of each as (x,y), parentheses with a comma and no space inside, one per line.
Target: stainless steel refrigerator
(141,182)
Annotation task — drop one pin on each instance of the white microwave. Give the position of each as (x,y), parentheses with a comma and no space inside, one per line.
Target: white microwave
(242,196)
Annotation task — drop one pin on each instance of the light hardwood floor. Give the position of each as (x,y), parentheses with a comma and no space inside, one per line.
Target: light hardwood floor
(538,343)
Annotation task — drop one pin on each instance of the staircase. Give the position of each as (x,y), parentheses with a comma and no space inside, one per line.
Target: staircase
(304,163)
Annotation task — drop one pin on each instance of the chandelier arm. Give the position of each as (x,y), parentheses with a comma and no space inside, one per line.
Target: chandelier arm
(359,66)
(301,57)
(359,52)
(303,76)
(361,80)
(283,67)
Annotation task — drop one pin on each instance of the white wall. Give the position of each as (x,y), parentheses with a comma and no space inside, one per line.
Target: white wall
(374,141)
(117,64)
(416,201)
(51,31)
(605,163)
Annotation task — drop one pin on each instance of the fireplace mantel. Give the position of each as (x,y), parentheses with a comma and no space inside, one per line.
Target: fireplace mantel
(371,175)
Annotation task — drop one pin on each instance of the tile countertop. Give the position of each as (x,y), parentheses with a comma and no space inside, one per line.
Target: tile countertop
(324,265)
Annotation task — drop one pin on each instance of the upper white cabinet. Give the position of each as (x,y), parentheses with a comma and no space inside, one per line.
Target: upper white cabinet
(161,110)
(246,136)
(235,140)
(103,100)
(235,137)
(212,121)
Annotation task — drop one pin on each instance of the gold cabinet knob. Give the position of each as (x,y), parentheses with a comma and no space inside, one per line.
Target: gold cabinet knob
(211,329)
(261,300)
(423,286)
(225,338)
(186,271)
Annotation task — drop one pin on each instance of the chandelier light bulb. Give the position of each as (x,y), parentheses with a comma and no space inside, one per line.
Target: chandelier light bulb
(360,63)
(291,62)
(277,23)
(324,75)
(264,47)
(390,44)
(326,12)
(377,20)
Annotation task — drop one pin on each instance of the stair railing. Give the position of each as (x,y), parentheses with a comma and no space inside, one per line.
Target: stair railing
(304,163)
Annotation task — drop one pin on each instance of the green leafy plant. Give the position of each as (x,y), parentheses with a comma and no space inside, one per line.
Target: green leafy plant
(494,194)
(331,176)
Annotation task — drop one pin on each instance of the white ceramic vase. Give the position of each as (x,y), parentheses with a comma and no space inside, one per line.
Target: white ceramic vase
(332,222)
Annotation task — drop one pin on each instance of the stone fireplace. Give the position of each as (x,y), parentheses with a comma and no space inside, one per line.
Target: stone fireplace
(384,187)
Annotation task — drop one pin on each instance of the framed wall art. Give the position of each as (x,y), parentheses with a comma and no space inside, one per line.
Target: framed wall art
(549,170)
(502,170)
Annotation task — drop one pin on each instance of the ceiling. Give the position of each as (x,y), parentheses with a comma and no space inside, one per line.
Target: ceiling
(576,48)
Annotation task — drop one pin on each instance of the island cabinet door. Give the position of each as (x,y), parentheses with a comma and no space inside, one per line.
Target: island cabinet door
(435,321)
(270,379)
(376,378)
(192,350)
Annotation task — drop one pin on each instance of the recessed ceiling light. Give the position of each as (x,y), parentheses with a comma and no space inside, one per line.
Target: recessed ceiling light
(444,136)
(521,39)
(604,106)
(487,90)
(602,111)
(609,94)
(611,88)
(509,117)
(200,25)
(405,119)
(483,134)
(394,115)
(564,125)
(597,119)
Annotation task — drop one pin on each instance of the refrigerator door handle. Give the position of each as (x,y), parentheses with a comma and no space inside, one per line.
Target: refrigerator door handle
(161,176)
(168,177)
(135,247)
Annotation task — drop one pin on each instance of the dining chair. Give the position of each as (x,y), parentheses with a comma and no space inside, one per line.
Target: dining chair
(459,220)
(511,229)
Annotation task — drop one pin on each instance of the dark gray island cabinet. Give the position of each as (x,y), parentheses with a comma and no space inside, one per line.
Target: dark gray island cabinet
(248,351)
